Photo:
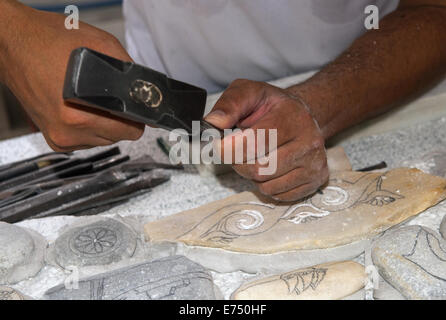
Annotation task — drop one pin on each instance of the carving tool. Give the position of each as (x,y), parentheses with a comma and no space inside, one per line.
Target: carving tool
(146,163)
(163,145)
(67,192)
(32,176)
(133,92)
(17,163)
(106,199)
(109,162)
(62,169)
(60,196)
(31,165)
(381,165)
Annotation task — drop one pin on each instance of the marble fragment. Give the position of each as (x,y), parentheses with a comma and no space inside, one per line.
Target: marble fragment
(22,253)
(96,242)
(352,209)
(443,227)
(172,278)
(413,260)
(7,293)
(436,162)
(385,291)
(331,281)
(337,160)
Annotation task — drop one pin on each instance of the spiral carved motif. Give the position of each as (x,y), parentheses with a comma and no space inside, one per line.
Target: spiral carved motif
(333,199)
(334,196)
(249,220)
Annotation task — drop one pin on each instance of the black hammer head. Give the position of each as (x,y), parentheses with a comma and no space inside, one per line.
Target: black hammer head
(132,91)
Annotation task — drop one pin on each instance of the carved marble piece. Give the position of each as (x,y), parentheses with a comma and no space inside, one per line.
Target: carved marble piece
(172,278)
(7,293)
(354,206)
(22,253)
(413,260)
(385,291)
(443,227)
(94,242)
(331,281)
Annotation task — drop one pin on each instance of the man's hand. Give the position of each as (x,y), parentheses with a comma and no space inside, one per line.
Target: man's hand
(380,70)
(301,158)
(35,51)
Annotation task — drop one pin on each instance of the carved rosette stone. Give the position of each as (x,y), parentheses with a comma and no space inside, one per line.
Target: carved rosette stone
(99,243)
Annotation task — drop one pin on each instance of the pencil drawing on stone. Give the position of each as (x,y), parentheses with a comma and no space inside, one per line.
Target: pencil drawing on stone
(234,220)
(94,241)
(435,254)
(174,277)
(165,288)
(297,282)
(300,281)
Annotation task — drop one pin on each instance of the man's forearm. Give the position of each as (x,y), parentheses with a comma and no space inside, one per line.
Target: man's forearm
(11,15)
(380,70)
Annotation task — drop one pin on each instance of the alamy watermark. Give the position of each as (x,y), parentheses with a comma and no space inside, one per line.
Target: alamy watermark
(250,146)
(72,20)
(372,20)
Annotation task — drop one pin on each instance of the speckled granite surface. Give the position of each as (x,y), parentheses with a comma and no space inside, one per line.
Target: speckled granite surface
(398,147)
(188,190)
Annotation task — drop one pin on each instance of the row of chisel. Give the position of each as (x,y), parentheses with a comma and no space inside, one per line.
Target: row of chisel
(66,184)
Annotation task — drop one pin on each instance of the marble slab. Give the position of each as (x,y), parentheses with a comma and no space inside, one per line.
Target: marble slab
(443,227)
(353,207)
(413,260)
(398,147)
(331,281)
(385,291)
(22,253)
(172,278)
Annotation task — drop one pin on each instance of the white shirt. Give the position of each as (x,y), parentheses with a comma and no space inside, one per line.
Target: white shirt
(210,43)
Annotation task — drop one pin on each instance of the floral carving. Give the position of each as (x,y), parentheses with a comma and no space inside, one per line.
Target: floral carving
(95,241)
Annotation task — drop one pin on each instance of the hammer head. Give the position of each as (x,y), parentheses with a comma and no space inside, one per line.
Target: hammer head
(132,91)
